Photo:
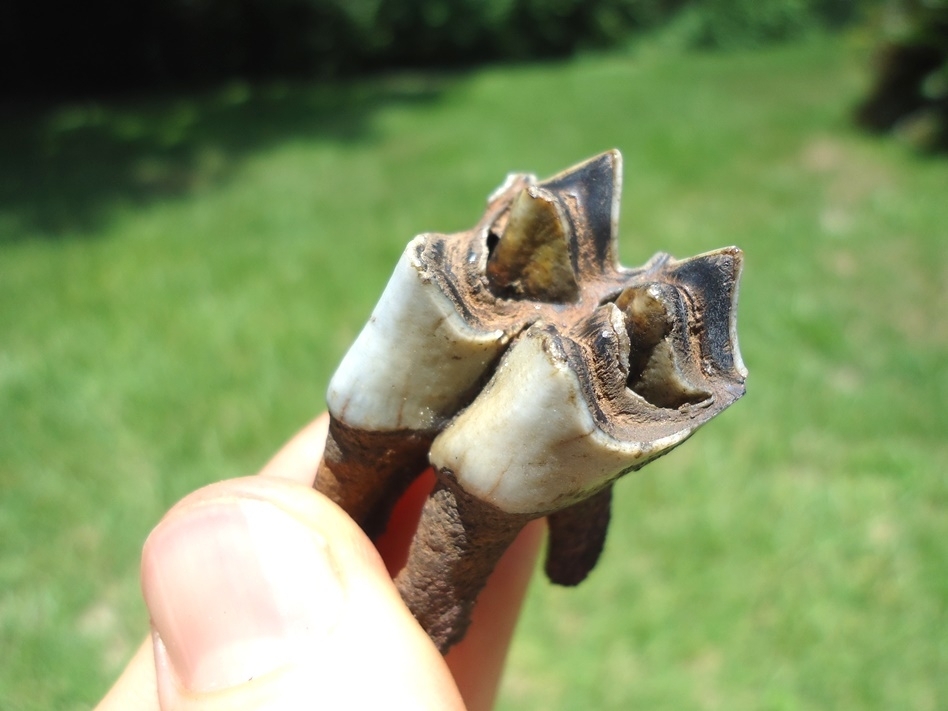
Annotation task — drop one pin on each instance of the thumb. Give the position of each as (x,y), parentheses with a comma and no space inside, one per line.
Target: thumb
(265,595)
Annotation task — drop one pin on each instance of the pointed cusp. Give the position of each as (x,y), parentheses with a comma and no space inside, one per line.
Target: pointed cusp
(532,258)
(592,190)
(712,281)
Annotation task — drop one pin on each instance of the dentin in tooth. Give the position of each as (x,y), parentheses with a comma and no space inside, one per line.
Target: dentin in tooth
(532,257)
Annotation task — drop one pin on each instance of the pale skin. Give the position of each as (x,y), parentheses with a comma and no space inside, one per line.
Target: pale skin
(263,594)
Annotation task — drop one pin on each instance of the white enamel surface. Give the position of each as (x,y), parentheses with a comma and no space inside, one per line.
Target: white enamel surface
(616,194)
(413,360)
(732,326)
(528,443)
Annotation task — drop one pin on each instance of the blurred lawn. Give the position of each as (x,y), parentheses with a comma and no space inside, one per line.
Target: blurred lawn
(178,277)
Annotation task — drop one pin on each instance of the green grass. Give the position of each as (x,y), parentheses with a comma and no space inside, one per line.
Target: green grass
(179,276)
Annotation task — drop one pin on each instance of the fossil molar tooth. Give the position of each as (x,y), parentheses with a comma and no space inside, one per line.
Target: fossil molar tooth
(449,311)
(532,370)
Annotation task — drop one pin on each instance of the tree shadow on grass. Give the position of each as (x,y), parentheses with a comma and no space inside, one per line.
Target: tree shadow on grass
(63,169)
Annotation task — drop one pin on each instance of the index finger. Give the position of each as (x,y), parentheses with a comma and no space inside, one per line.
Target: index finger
(299,458)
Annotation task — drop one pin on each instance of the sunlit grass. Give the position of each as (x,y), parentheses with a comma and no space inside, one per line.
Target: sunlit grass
(179,276)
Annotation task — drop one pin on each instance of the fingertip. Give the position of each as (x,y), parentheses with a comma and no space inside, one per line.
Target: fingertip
(299,458)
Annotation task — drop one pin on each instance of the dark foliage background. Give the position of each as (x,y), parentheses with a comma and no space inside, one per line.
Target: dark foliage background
(909,95)
(99,46)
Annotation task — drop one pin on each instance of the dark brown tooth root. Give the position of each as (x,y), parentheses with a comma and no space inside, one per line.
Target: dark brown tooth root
(459,541)
(532,258)
(365,472)
(577,536)
(654,372)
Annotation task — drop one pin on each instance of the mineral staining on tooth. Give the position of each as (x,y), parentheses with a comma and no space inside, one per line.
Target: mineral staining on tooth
(533,371)
(574,404)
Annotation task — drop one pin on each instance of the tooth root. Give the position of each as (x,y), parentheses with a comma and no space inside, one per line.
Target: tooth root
(532,258)
(458,542)
(577,536)
(366,472)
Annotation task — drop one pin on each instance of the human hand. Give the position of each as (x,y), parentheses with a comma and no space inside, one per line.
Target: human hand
(263,594)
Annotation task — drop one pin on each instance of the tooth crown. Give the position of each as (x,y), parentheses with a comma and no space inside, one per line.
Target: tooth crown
(532,371)
(610,367)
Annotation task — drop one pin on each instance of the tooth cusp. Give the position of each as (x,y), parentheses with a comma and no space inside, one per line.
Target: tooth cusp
(531,258)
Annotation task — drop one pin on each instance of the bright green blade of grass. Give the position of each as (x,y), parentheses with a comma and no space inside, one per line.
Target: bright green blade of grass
(178,278)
